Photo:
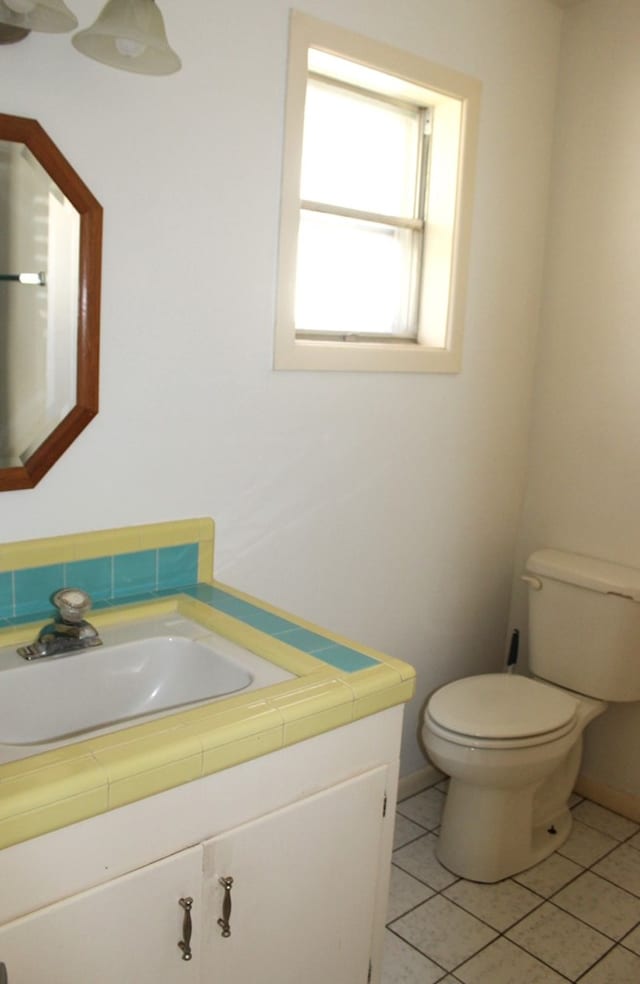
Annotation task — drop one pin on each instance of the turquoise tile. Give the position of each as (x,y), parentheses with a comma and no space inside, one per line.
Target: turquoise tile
(252,615)
(257,618)
(233,606)
(135,598)
(99,604)
(92,576)
(35,586)
(224,602)
(170,592)
(6,594)
(201,592)
(344,658)
(134,573)
(39,618)
(308,642)
(177,565)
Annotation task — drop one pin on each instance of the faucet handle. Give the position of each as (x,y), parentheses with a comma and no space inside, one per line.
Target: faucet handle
(72,603)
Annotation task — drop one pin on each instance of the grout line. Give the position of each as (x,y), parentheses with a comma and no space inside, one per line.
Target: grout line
(614,943)
(421,952)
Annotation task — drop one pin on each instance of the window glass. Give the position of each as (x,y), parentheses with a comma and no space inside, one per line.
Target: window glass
(359,152)
(353,276)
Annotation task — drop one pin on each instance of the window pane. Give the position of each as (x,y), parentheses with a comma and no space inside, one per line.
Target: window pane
(353,276)
(359,152)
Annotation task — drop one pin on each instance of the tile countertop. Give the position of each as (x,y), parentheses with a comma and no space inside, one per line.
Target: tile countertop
(335,682)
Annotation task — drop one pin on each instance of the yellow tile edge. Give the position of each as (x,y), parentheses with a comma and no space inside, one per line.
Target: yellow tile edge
(405,670)
(148,758)
(105,543)
(271,648)
(35,823)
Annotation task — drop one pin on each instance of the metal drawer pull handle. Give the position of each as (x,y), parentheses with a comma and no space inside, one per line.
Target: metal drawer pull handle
(223,922)
(185,942)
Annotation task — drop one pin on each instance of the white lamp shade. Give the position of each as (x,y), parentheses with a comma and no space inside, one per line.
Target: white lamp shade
(129,34)
(50,16)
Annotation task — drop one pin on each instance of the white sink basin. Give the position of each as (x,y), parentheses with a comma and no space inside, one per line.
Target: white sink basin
(143,669)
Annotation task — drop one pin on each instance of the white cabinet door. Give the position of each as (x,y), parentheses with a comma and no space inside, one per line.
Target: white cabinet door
(123,932)
(303,893)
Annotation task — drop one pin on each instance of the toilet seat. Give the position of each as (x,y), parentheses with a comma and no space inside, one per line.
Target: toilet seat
(501,710)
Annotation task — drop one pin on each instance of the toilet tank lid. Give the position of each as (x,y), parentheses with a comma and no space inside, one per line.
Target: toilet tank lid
(586,572)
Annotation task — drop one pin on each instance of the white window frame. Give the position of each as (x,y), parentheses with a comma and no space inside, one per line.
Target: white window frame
(455,99)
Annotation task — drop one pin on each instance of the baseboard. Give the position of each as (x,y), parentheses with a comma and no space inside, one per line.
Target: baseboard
(417,781)
(626,804)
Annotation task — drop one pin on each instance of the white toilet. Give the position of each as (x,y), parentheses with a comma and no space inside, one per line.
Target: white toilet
(512,745)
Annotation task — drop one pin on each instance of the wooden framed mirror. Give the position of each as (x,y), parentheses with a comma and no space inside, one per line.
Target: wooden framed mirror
(50,276)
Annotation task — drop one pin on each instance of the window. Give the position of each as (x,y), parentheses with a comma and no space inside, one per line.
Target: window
(376,205)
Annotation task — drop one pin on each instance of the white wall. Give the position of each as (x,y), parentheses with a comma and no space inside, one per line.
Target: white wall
(385,507)
(584,475)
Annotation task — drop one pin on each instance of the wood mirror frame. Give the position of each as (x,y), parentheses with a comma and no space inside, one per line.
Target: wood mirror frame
(19,129)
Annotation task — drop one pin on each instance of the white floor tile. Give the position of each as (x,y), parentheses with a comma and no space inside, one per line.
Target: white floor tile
(405,831)
(618,967)
(501,905)
(605,821)
(418,859)
(635,842)
(405,893)
(632,941)
(443,932)
(424,808)
(401,964)
(622,867)
(550,875)
(586,845)
(558,939)
(503,962)
(602,905)
(451,927)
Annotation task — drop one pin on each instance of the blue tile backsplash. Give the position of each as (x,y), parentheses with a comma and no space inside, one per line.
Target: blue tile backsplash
(6,594)
(134,573)
(335,654)
(94,576)
(174,563)
(25,595)
(108,580)
(34,586)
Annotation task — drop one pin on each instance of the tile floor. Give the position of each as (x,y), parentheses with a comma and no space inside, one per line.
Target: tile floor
(574,917)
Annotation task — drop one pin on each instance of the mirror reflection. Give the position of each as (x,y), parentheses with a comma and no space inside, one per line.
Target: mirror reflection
(50,258)
(39,254)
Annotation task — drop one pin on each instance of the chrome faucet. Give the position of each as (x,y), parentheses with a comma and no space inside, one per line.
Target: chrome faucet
(69,632)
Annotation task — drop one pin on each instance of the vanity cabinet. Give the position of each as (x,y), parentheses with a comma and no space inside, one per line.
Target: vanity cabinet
(309,877)
(124,931)
(303,893)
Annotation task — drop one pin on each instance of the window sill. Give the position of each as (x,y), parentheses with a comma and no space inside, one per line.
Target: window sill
(331,356)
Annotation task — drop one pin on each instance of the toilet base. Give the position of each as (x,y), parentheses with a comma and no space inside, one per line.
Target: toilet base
(487,834)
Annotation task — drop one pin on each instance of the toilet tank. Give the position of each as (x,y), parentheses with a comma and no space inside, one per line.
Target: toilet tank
(584,624)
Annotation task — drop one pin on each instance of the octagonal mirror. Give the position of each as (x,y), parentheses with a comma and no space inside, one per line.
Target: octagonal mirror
(50,268)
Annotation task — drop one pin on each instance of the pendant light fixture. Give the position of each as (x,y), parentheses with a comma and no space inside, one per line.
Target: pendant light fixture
(128,34)
(50,16)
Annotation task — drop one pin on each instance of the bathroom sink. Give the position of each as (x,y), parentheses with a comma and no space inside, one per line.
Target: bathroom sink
(143,669)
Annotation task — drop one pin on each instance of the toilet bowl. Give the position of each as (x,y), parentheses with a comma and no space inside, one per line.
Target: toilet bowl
(511,746)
